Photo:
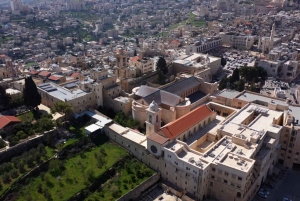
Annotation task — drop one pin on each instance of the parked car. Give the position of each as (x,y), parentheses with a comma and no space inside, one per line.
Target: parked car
(286,199)
(263,195)
(264,191)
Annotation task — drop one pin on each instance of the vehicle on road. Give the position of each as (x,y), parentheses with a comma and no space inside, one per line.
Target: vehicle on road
(262,195)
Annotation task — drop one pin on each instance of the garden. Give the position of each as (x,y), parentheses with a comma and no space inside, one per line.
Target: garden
(129,175)
(22,131)
(18,166)
(79,168)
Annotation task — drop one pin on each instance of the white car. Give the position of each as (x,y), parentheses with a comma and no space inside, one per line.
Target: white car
(264,191)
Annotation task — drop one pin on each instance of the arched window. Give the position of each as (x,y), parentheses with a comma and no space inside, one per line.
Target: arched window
(239,194)
(150,118)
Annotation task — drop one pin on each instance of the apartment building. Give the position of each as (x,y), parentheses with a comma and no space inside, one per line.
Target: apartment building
(203,45)
(144,64)
(238,41)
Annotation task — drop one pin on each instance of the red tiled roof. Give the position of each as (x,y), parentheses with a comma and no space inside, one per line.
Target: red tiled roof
(135,59)
(175,42)
(5,120)
(44,73)
(172,130)
(2,55)
(33,72)
(75,74)
(54,78)
(157,138)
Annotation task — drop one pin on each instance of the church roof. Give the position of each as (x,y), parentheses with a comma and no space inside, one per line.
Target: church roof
(177,127)
(145,91)
(157,138)
(182,86)
(163,97)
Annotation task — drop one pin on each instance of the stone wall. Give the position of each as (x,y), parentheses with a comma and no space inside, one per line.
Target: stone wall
(135,193)
(24,146)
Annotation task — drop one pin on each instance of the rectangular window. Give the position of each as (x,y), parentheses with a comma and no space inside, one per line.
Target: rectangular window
(240,178)
(226,173)
(213,169)
(225,181)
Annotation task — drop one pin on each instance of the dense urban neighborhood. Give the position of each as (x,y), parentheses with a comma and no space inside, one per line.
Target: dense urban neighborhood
(174,100)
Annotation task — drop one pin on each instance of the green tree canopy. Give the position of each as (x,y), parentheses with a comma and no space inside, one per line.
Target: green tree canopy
(235,76)
(223,61)
(252,73)
(4,97)
(161,66)
(31,95)
(62,107)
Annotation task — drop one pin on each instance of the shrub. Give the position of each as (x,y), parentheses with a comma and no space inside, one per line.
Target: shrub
(14,173)
(6,178)
(114,191)
(90,174)
(2,144)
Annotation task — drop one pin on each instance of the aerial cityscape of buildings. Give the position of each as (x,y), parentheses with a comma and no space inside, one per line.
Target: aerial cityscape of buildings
(212,88)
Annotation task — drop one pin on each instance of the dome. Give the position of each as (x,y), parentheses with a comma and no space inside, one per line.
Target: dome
(153,106)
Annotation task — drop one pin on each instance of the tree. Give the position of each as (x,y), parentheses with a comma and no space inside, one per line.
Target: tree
(262,73)
(235,76)
(223,61)
(239,85)
(223,83)
(4,97)
(62,107)
(253,86)
(2,144)
(31,96)
(161,66)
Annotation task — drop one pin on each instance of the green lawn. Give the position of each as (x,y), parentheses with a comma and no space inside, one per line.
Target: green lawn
(76,174)
(194,22)
(29,116)
(128,177)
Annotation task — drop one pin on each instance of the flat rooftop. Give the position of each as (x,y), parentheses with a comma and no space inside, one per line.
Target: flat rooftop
(262,122)
(135,137)
(250,97)
(187,155)
(60,92)
(117,128)
(229,93)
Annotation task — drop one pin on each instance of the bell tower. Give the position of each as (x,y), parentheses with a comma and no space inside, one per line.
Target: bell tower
(153,118)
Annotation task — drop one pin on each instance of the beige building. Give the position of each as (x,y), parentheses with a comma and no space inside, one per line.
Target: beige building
(80,100)
(196,63)
(289,140)
(223,150)
(143,64)
(175,99)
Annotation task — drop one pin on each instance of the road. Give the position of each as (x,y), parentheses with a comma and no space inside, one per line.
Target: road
(288,187)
